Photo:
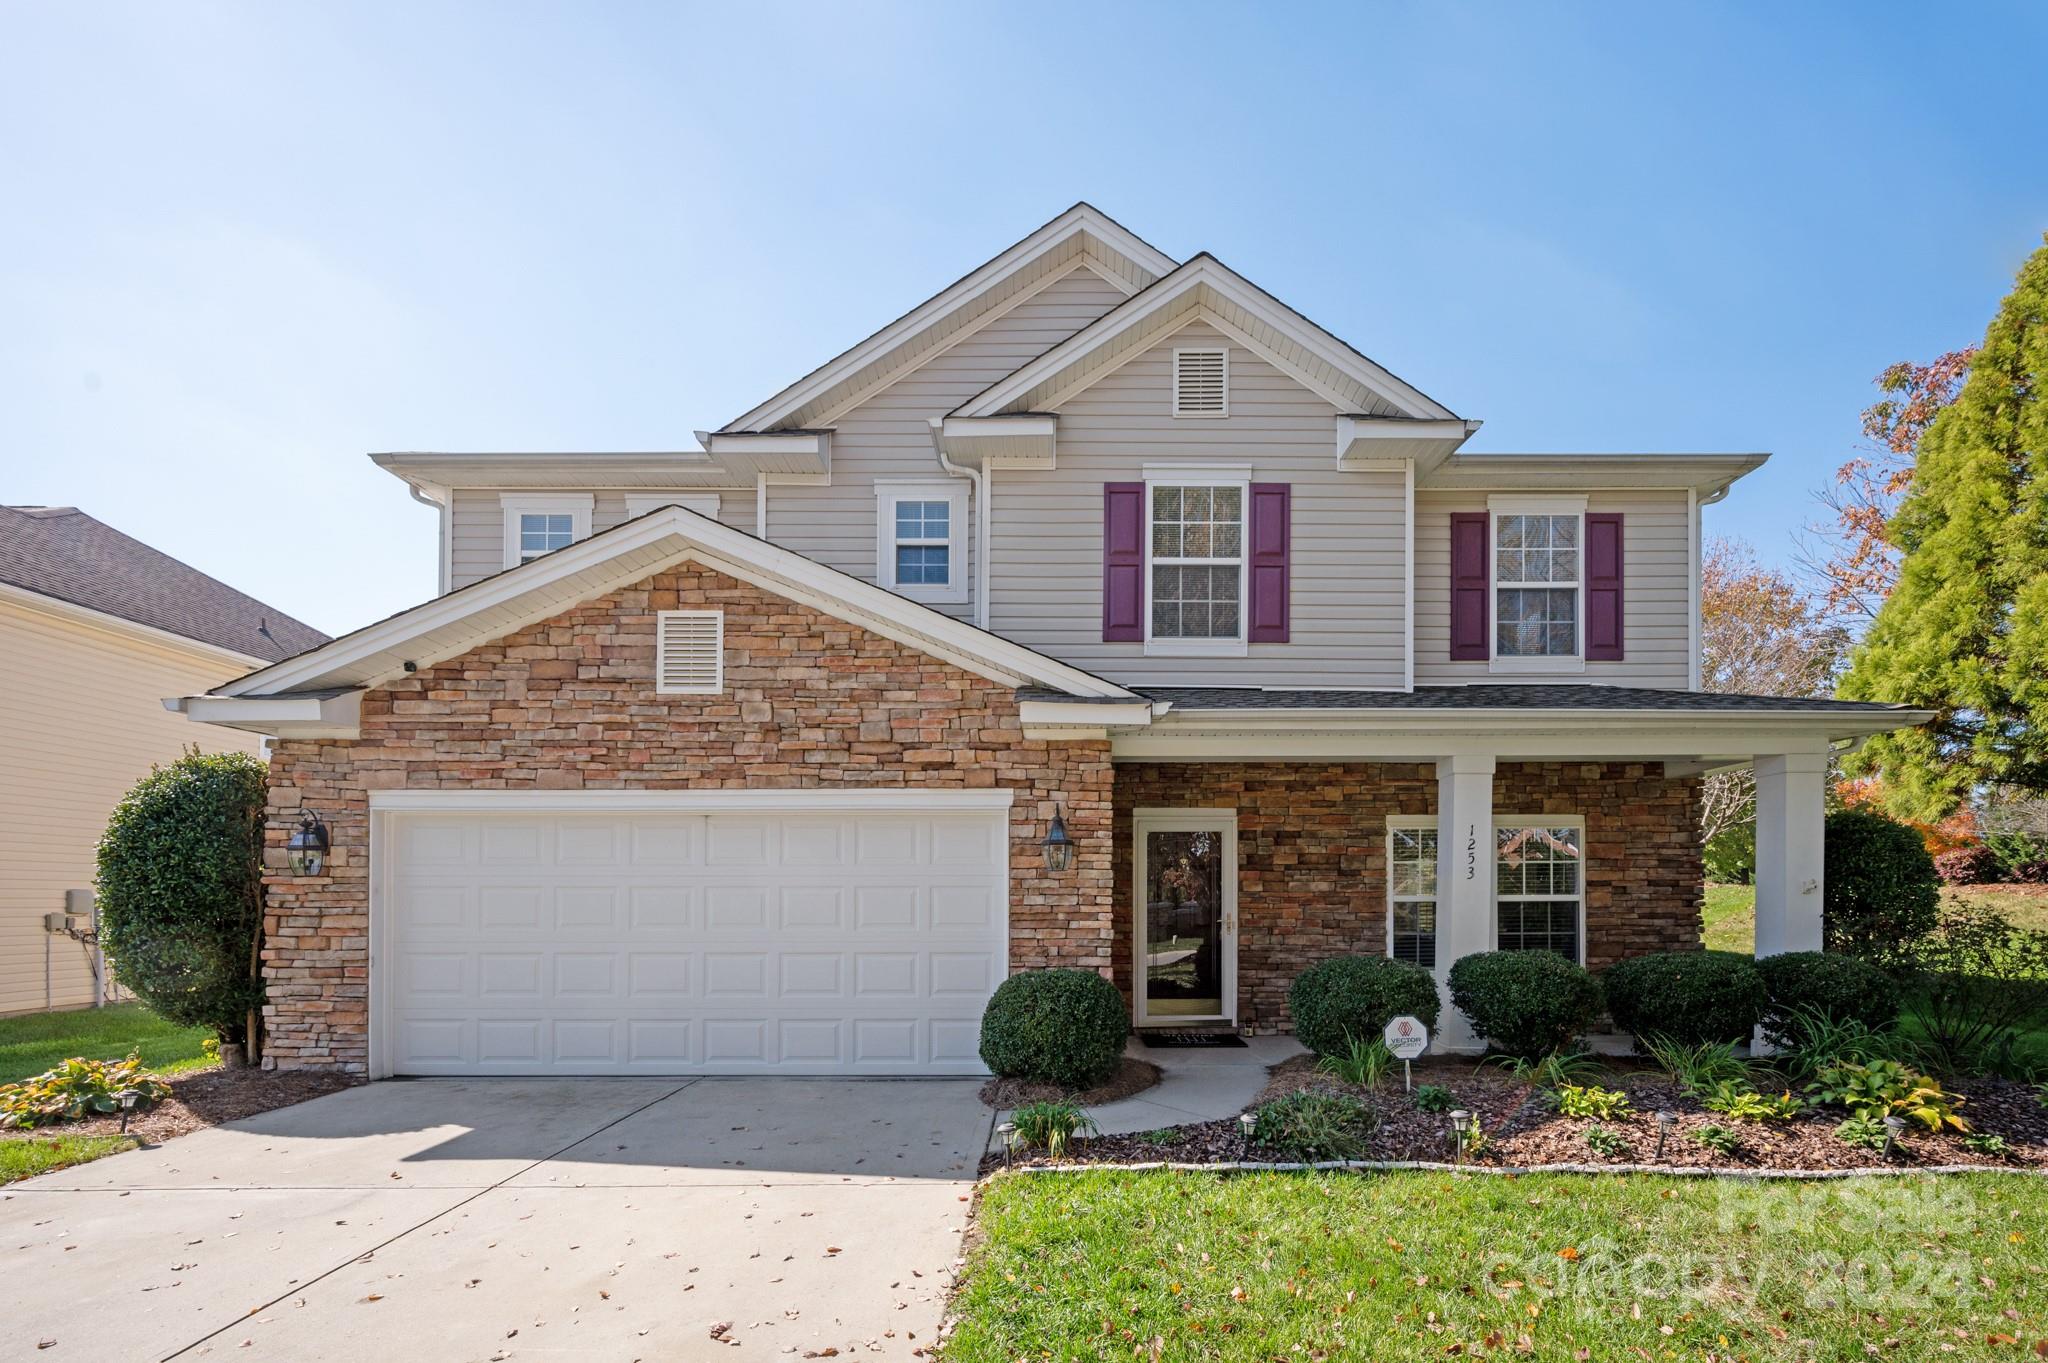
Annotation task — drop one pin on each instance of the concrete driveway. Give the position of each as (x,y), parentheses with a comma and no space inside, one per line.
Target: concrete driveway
(511,1219)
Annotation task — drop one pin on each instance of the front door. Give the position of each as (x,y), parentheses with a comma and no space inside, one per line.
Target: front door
(1185,883)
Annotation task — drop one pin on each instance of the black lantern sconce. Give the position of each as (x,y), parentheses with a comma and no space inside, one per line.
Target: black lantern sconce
(1059,848)
(307,846)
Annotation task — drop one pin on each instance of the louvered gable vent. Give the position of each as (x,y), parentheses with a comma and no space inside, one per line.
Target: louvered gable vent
(689,652)
(1201,383)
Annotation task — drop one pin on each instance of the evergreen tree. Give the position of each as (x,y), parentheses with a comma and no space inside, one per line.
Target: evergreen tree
(1965,632)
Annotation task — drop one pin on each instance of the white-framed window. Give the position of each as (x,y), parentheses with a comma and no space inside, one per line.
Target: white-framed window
(1195,561)
(921,538)
(1201,381)
(540,523)
(689,652)
(1537,550)
(1539,885)
(1411,891)
(640,503)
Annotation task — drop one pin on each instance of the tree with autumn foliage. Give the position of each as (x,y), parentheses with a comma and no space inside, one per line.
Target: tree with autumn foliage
(1761,634)
(1964,632)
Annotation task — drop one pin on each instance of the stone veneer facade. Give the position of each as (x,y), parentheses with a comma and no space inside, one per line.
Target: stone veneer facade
(809,701)
(1312,856)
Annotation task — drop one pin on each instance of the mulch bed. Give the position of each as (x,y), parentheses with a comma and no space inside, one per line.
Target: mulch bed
(206,1098)
(1132,1076)
(1522,1131)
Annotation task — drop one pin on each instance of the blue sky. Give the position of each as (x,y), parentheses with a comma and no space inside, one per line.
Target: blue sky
(245,245)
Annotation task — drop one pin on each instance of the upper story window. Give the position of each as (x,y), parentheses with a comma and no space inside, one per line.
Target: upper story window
(1196,562)
(537,524)
(919,549)
(1538,579)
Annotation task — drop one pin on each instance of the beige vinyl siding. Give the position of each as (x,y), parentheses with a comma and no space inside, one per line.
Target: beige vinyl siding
(1656,592)
(1346,579)
(83,722)
(476,520)
(887,435)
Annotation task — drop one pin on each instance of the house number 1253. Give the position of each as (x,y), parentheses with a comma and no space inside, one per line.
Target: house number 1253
(1471,850)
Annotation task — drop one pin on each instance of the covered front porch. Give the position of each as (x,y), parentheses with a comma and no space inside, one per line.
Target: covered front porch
(1251,840)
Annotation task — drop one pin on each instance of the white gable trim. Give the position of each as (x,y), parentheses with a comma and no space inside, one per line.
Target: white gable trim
(1081,219)
(1205,272)
(453,624)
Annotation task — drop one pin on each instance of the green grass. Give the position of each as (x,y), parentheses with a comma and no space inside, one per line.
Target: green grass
(1730,911)
(31,1155)
(31,1044)
(1426,1266)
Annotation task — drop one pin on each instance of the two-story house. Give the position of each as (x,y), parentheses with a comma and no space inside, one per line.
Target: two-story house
(1102,611)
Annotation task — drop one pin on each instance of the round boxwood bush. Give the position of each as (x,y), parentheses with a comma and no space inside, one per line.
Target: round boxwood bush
(1062,1027)
(1692,997)
(1879,890)
(1344,997)
(1527,1003)
(181,890)
(1844,988)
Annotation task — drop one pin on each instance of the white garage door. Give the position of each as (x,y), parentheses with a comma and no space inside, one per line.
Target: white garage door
(672,943)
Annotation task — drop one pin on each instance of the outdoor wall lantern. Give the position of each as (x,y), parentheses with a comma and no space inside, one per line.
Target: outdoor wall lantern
(1059,848)
(308,846)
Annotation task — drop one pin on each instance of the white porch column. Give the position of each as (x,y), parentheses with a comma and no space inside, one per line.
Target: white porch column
(1791,791)
(1464,880)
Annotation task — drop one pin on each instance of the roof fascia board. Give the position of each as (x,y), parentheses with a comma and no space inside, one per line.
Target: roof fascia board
(1703,473)
(1206,271)
(1082,218)
(73,613)
(278,716)
(732,551)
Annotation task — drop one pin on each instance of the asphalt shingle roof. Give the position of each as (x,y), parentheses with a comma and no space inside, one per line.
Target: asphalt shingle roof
(61,552)
(1537,696)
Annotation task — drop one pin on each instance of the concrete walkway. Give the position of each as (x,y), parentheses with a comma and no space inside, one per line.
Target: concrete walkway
(1195,1085)
(511,1219)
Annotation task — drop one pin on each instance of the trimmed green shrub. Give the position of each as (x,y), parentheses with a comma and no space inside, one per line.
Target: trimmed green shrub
(1842,988)
(1527,1003)
(181,890)
(1690,997)
(1064,1027)
(1880,894)
(1353,998)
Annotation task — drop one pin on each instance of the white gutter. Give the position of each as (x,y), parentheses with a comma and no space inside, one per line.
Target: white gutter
(979,481)
(440,505)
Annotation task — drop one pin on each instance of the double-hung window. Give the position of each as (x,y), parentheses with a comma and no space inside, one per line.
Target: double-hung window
(1539,886)
(1196,566)
(540,524)
(921,531)
(1411,892)
(1538,580)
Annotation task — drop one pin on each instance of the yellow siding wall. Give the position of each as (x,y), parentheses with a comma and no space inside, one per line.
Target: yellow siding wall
(81,721)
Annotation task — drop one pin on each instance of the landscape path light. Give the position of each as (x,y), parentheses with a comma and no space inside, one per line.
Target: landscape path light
(1894,1127)
(1664,1120)
(1459,1117)
(1246,1121)
(1008,1132)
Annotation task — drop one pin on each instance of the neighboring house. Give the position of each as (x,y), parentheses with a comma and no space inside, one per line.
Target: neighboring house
(746,758)
(95,629)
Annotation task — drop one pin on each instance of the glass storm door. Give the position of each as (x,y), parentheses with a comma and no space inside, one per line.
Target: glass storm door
(1186,916)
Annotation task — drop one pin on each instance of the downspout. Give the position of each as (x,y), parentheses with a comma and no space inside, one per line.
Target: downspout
(977,479)
(440,505)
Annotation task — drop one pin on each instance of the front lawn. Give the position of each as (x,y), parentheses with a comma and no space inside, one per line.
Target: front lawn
(1730,910)
(1110,1264)
(27,1155)
(33,1043)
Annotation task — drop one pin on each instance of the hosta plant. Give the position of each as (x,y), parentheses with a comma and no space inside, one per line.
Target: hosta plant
(1720,1139)
(78,1088)
(1864,1131)
(1050,1124)
(1606,1144)
(1588,1100)
(1987,1143)
(1886,1088)
(1433,1098)
(1745,1104)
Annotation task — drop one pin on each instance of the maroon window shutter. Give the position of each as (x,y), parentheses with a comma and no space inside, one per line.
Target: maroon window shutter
(1271,531)
(1469,613)
(1603,588)
(1123,562)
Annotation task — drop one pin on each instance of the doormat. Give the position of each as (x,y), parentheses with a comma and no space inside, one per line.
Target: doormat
(1185,1040)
